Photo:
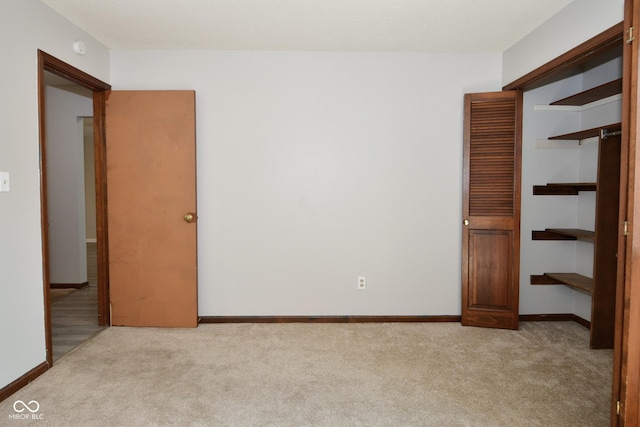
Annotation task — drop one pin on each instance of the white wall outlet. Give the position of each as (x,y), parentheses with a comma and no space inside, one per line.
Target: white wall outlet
(362,282)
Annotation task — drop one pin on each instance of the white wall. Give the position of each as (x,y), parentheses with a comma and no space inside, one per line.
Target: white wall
(573,25)
(317,168)
(25,26)
(65,185)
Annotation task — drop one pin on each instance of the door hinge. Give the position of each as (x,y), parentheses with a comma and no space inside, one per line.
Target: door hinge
(618,406)
(631,36)
(626,228)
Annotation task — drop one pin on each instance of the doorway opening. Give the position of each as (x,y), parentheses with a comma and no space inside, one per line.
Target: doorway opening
(61,264)
(71,217)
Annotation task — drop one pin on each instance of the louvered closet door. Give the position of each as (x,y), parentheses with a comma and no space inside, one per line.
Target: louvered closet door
(491,209)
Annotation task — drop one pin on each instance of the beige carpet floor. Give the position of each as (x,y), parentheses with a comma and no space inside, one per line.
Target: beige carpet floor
(389,374)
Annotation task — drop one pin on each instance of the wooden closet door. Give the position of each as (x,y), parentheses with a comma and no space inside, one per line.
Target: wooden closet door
(491,209)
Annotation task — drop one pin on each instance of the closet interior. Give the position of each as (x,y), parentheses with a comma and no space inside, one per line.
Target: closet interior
(570,189)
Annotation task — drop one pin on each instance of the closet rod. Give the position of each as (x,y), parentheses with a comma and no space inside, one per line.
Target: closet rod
(604,134)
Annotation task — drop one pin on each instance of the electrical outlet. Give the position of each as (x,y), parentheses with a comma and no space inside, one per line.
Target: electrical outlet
(362,282)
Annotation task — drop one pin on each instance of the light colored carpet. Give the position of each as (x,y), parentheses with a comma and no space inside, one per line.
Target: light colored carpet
(389,374)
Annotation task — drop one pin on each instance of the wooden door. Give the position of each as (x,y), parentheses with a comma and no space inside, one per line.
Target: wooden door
(491,209)
(625,399)
(151,184)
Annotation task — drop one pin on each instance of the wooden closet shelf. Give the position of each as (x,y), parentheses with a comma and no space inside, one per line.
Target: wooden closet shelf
(600,92)
(572,280)
(563,189)
(587,133)
(564,234)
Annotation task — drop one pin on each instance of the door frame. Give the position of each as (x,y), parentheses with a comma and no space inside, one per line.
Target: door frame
(53,65)
(626,375)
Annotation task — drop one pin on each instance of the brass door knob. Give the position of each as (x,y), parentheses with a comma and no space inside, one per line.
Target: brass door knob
(189,217)
(466,222)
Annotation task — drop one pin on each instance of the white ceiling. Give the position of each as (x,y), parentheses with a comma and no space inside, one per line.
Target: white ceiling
(316,25)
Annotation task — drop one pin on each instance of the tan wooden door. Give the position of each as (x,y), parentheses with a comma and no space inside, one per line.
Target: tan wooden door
(491,209)
(151,184)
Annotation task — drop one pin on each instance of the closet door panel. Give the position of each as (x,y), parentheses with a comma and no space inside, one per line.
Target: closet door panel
(491,209)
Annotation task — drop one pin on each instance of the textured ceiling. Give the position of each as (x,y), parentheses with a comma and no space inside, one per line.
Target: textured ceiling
(328,25)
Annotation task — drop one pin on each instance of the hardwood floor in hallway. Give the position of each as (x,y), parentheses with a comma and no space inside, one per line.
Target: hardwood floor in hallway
(74,318)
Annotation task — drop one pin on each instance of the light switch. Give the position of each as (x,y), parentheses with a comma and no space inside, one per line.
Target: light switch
(4,182)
